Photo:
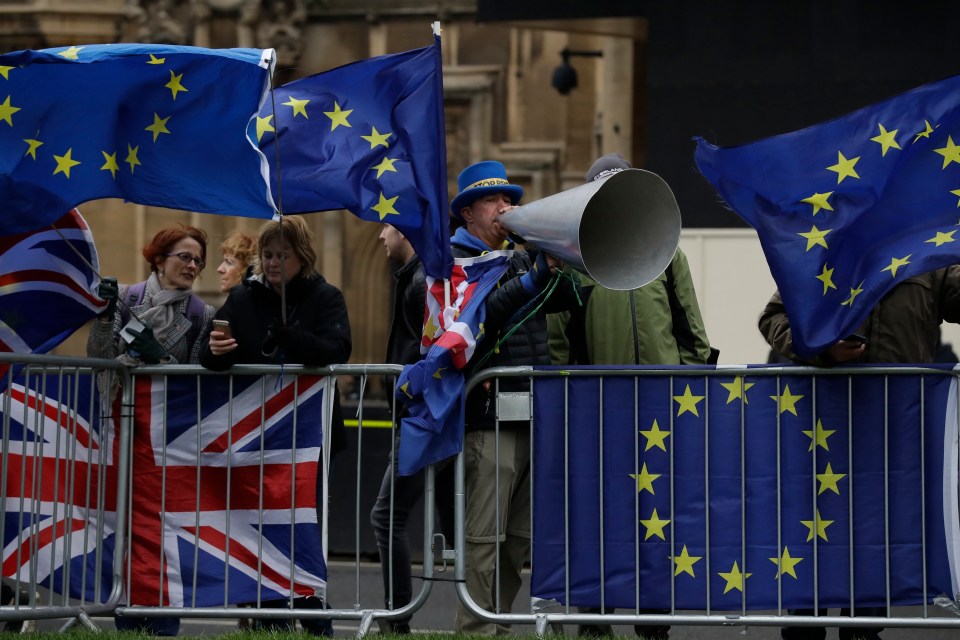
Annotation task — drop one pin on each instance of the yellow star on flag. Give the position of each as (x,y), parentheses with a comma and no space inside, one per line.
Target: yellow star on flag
(820,524)
(377,139)
(405,387)
(155,60)
(785,564)
(826,277)
(926,131)
(32,145)
(385,206)
(655,437)
(299,106)
(815,237)
(481,332)
(734,578)
(645,479)
(430,328)
(886,140)
(844,167)
(950,153)
(819,201)
(385,165)
(7,110)
(896,263)
(828,480)
(175,84)
(854,292)
(687,402)
(338,117)
(65,163)
(654,526)
(132,158)
(941,237)
(71,53)
(685,562)
(110,163)
(159,126)
(787,401)
(438,374)
(820,438)
(263,126)
(737,389)
(5,71)
(955,192)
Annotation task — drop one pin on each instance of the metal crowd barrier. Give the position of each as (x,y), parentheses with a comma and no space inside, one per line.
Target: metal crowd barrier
(549,616)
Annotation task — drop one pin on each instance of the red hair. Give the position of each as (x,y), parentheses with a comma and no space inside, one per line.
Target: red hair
(165,239)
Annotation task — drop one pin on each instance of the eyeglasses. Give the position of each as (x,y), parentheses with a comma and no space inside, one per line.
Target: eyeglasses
(186,258)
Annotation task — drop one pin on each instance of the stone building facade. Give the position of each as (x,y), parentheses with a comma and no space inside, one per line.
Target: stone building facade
(499,103)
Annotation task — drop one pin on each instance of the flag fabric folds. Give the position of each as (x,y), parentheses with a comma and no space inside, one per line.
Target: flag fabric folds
(367,137)
(48,284)
(433,389)
(746,491)
(153,124)
(848,208)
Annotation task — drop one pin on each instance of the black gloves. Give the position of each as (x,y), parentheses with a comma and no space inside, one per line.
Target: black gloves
(282,336)
(109,290)
(147,346)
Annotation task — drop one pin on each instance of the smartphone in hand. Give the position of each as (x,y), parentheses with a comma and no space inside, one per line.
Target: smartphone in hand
(223,326)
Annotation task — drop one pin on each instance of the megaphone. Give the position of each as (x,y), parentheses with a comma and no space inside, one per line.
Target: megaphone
(622,230)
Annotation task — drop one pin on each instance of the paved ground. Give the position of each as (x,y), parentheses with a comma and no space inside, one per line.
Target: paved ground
(437,614)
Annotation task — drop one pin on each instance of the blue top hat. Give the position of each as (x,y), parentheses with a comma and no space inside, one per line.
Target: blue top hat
(480,179)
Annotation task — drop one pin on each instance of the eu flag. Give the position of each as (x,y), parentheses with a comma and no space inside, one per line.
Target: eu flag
(848,208)
(153,124)
(367,137)
(738,490)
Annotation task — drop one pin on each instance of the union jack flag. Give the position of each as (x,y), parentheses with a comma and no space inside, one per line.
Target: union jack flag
(58,486)
(224,500)
(48,283)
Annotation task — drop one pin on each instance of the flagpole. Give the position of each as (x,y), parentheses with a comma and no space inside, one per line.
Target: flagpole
(276,155)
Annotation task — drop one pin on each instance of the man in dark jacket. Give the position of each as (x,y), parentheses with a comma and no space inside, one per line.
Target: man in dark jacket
(500,483)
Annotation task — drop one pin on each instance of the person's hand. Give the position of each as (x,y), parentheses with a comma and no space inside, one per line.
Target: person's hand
(109,290)
(540,273)
(146,345)
(846,350)
(220,344)
(555,264)
(282,336)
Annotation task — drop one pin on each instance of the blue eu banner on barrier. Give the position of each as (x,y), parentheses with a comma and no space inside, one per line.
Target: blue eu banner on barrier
(729,491)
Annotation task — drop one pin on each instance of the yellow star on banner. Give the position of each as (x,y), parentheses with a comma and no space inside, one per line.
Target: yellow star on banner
(405,387)
(110,163)
(687,402)
(645,479)
(826,277)
(828,480)
(820,438)
(925,133)
(941,237)
(844,167)
(734,578)
(159,126)
(377,139)
(385,165)
(175,85)
(685,562)
(438,374)
(155,60)
(854,292)
(5,71)
(737,389)
(655,526)
(338,116)
(819,201)
(895,264)
(71,53)
(65,163)
(132,158)
(785,564)
(816,237)
(385,206)
(299,106)
(7,110)
(950,153)
(820,524)
(886,140)
(655,437)
(787,401)
(263,126)
(32,145)
(430,328)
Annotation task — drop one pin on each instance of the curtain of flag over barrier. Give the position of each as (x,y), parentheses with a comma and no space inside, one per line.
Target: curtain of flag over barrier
(153,124)
(756,492)
(847,209)
(367,137)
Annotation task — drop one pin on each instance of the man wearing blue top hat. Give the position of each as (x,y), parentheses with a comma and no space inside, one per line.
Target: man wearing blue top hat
(500,484)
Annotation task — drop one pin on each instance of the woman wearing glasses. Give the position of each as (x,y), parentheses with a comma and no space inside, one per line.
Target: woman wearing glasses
(175,322)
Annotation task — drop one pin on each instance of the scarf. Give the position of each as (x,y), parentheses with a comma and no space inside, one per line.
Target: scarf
(162,315)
